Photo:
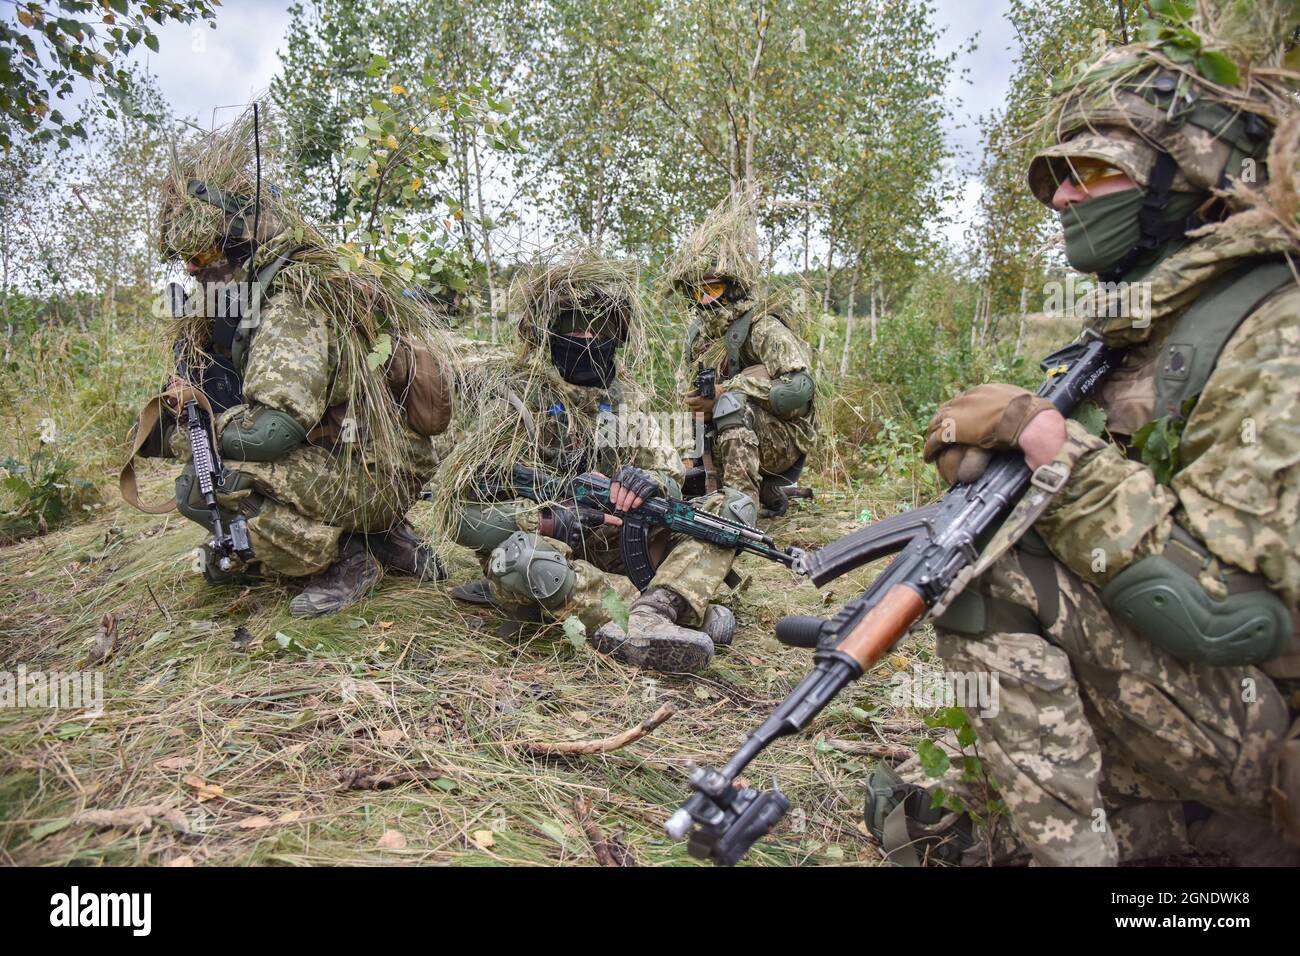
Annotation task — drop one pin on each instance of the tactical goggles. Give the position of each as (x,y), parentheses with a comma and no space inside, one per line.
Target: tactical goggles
(1087,172)
(204,259)
(709,290)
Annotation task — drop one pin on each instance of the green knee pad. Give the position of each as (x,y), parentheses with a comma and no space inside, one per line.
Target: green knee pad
(262,434)
(483,527)
(524,565)
(791,393)
(740,506)
(730,411)
(1168,607)
(190,503)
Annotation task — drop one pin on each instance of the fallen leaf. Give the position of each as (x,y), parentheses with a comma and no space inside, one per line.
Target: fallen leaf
(180,861)
(383,625)
(392,840)
(483,839)
(391,737)
(142,817)
(105,638)
(292,816)
(295,749)
(255,823)
(581,716)
(175,763)
(204,790)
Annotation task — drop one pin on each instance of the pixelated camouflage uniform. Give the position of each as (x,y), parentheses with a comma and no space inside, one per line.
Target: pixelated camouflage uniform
(1081,691)
(767,444)
(693,569)
(299,506)
(1069,675)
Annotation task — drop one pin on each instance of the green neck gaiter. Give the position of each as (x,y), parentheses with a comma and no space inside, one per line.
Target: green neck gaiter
(1100,232)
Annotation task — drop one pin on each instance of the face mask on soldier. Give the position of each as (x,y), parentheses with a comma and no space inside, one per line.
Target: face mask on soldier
(584,360)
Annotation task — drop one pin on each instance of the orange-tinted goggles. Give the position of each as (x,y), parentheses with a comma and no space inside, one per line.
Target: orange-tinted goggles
(1085,172)
(206,258)
(709,290)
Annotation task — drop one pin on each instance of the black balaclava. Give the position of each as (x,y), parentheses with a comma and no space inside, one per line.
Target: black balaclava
(584,361)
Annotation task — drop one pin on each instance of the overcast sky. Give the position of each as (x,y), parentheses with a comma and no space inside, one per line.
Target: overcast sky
(203,70)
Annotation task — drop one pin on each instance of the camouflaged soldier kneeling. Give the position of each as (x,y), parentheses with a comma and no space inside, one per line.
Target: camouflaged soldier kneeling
(566,406)
(763,411)
(324,452)
(1143,626)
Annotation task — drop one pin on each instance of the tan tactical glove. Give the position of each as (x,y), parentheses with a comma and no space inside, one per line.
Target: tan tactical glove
(968,428)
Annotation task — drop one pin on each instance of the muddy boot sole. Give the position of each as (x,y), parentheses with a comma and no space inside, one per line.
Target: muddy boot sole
(670,650)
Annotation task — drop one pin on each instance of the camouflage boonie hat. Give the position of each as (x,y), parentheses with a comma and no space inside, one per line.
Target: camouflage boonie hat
(1147,111)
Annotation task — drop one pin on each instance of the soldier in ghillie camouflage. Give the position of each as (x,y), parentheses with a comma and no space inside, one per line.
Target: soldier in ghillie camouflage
(763,410)
(553,408)
(322,457)
(1142,624)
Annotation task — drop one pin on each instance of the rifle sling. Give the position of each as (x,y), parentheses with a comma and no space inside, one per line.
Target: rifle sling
(150,415)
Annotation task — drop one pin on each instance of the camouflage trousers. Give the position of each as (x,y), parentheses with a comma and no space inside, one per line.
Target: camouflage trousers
(1098,732)
(299,507)
(763,445)
(694,569)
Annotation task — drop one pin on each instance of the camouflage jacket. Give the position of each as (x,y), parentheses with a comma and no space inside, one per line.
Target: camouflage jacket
(574,428)
(1236,485)
(770,343)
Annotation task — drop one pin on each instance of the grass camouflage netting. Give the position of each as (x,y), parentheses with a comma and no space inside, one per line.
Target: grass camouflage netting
(366,302)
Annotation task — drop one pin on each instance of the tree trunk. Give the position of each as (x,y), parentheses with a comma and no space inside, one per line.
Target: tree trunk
(848,326)
(487,239)
(875,317)
(826,305)
(1024,314)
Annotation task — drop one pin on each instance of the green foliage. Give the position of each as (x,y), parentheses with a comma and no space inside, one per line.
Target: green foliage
(58,45)
(936,763)
(46,492)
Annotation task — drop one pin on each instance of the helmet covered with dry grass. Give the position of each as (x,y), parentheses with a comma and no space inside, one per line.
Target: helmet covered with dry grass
(723,246)
(211,197)
(1206,87)
(575,288)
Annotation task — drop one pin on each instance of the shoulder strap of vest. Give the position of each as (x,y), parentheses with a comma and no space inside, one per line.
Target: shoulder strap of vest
(1198,338)
(261,281)
(735,337)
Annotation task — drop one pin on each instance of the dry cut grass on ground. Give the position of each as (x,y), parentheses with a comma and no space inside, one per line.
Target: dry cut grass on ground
(398,732)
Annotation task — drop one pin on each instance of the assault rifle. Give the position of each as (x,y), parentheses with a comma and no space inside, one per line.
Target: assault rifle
(227,543)
(590,493)
(938,553)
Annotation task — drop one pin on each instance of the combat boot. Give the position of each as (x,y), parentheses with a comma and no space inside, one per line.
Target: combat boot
(401,551)
(654,639)
(342,584)
(720,624)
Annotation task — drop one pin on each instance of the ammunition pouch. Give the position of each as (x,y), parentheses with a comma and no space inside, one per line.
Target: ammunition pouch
(791,394)
(482,527)
(261,434)
(1161,598)
(524,565)
(730,411)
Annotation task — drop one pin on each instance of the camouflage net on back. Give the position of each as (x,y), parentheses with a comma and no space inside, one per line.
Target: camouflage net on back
(494,427)
(367,304)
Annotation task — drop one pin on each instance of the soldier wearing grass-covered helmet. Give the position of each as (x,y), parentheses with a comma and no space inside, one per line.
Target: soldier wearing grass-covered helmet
(1141,618)
(313,377)
(566,404)
(763,408)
